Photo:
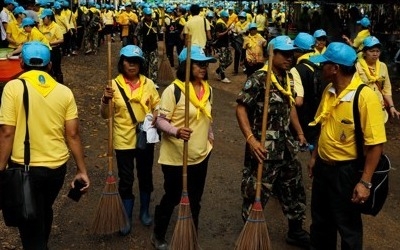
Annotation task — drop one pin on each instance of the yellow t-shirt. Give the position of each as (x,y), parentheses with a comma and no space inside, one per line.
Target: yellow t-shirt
(171,149)
(36,35)
(261,21)
(69,16)
(62,22)
(233,19)
(124,132)
(17,34)
(358,41)
(47,117)
(337,138)
(52,32)
(254,48)
(195,27)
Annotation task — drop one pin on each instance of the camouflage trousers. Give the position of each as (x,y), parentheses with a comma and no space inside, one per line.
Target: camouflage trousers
(90,40)
(151,64)
(282,179)
(224,56)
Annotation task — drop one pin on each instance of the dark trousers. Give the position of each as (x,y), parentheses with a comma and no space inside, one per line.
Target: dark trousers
(332,209)
(236,60)
(144,169)
(56,64)
(173,191)
(48,182)
(79,37)
(4,43)
(250,69)
(66,46)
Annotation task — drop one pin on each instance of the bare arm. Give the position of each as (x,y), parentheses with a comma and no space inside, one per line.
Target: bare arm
(6,141)
(294,120)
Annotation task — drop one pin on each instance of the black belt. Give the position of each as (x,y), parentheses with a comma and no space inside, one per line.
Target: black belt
(336,163)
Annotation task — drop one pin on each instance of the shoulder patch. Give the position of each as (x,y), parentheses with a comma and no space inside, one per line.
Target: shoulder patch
(248,84)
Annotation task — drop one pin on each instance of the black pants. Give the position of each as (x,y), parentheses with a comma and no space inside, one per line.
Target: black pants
(250,69)
(236,60)
(56,64)
(48,182)
(332,209)
(173,191)
(66,46)
(144,168)
(79,37)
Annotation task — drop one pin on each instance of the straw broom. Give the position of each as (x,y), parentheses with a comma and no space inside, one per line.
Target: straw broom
(254,235)
(185,235)
(165,74)
(110,216)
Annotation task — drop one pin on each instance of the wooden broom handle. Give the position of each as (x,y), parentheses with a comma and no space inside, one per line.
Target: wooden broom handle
(187,100)
(110,108)
(265,118)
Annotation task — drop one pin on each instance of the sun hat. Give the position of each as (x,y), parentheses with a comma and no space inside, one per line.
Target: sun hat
(224,13)
(365,22)
(252,26)
(319,33)
(197,54)
(147,11)
(304,41)
(35,50)
(46,12)
(132,51)
(337,52)
(27,21)
(282,43)
(371,41)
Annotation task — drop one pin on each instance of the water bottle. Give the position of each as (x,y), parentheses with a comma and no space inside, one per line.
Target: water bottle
(306,147)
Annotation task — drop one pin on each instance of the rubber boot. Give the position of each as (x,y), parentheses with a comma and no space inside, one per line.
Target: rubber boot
(161,222)
(128,205)
(144,215)
(297,235)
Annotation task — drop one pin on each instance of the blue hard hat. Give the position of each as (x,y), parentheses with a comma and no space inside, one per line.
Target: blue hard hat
(337,52)
(197,54)
(132,51)
(35,50)
(304,41)
(147,11)
(46,12)
(282,43)
(27,21)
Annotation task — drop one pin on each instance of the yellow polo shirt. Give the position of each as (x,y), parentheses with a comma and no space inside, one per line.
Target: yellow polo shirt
(47,117)
(171,148)
(337,138)
(52,32)
(359,39)
(17,34)
(62,22)
(36,35)
(195,27)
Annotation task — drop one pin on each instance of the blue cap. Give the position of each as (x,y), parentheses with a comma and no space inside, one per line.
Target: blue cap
(319,33)
(371,41)
(46,12)
(147,11)
(365,22)
(132,51)
(19,10)
(92,3)
(304,41)
(36,50)
(196,53)
(252,26)
(7,2)
(336,52)
(210,13)
(282,43)
(57,6)
(65,4)
(128,4)
(27,21)
(242,14)
(224,13)
(169,10)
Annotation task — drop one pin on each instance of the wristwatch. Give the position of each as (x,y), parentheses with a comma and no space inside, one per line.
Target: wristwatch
(366,184)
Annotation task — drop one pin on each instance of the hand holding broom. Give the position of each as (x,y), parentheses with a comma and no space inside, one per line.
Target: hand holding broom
(254,235)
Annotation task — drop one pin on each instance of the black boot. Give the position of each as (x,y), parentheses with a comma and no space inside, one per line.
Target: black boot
(297,235)
(128,205)
(161,222)
(144,215)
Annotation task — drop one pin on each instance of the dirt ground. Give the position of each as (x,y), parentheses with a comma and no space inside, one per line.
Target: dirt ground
(220,221)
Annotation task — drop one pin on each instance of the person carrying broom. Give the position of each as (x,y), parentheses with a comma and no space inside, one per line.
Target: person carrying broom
(282,174)
(199,135)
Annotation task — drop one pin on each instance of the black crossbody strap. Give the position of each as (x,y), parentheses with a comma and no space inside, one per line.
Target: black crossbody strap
(357,124)
(27,146)
(128,105)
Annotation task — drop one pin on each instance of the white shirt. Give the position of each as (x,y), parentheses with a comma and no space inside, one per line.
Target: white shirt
(4,19)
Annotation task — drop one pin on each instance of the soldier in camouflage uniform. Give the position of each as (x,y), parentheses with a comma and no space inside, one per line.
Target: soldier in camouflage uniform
(282,174)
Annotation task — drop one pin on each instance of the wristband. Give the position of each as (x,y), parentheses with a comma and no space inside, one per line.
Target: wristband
(248,137)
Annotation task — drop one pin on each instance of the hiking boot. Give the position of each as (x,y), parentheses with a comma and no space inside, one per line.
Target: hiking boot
(159,244)
(297,236)
(226,80)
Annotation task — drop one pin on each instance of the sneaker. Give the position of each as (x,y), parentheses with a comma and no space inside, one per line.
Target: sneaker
(159,244)
(226,80)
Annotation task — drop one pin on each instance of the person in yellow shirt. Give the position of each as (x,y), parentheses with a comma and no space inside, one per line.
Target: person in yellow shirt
(53,126)
(233,17)
(237,38)
(261,20)
(254,45)
(321,40)
(364,32)
(128,21)
(143,99)
(63,22)
(52,31)
(375,74)
(171,121)
(338,187)
(15,33)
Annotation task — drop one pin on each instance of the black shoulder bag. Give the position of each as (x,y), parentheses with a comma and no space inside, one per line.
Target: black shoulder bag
(141,135)
(380,178)
(19,201)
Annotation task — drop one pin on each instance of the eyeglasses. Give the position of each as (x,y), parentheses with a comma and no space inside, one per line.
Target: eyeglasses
(201,64)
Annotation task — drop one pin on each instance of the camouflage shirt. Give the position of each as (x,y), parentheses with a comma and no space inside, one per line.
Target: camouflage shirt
(278,138)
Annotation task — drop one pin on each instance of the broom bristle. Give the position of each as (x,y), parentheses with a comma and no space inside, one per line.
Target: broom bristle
(165,72)
(110,216)
(254,235)
(185,235)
